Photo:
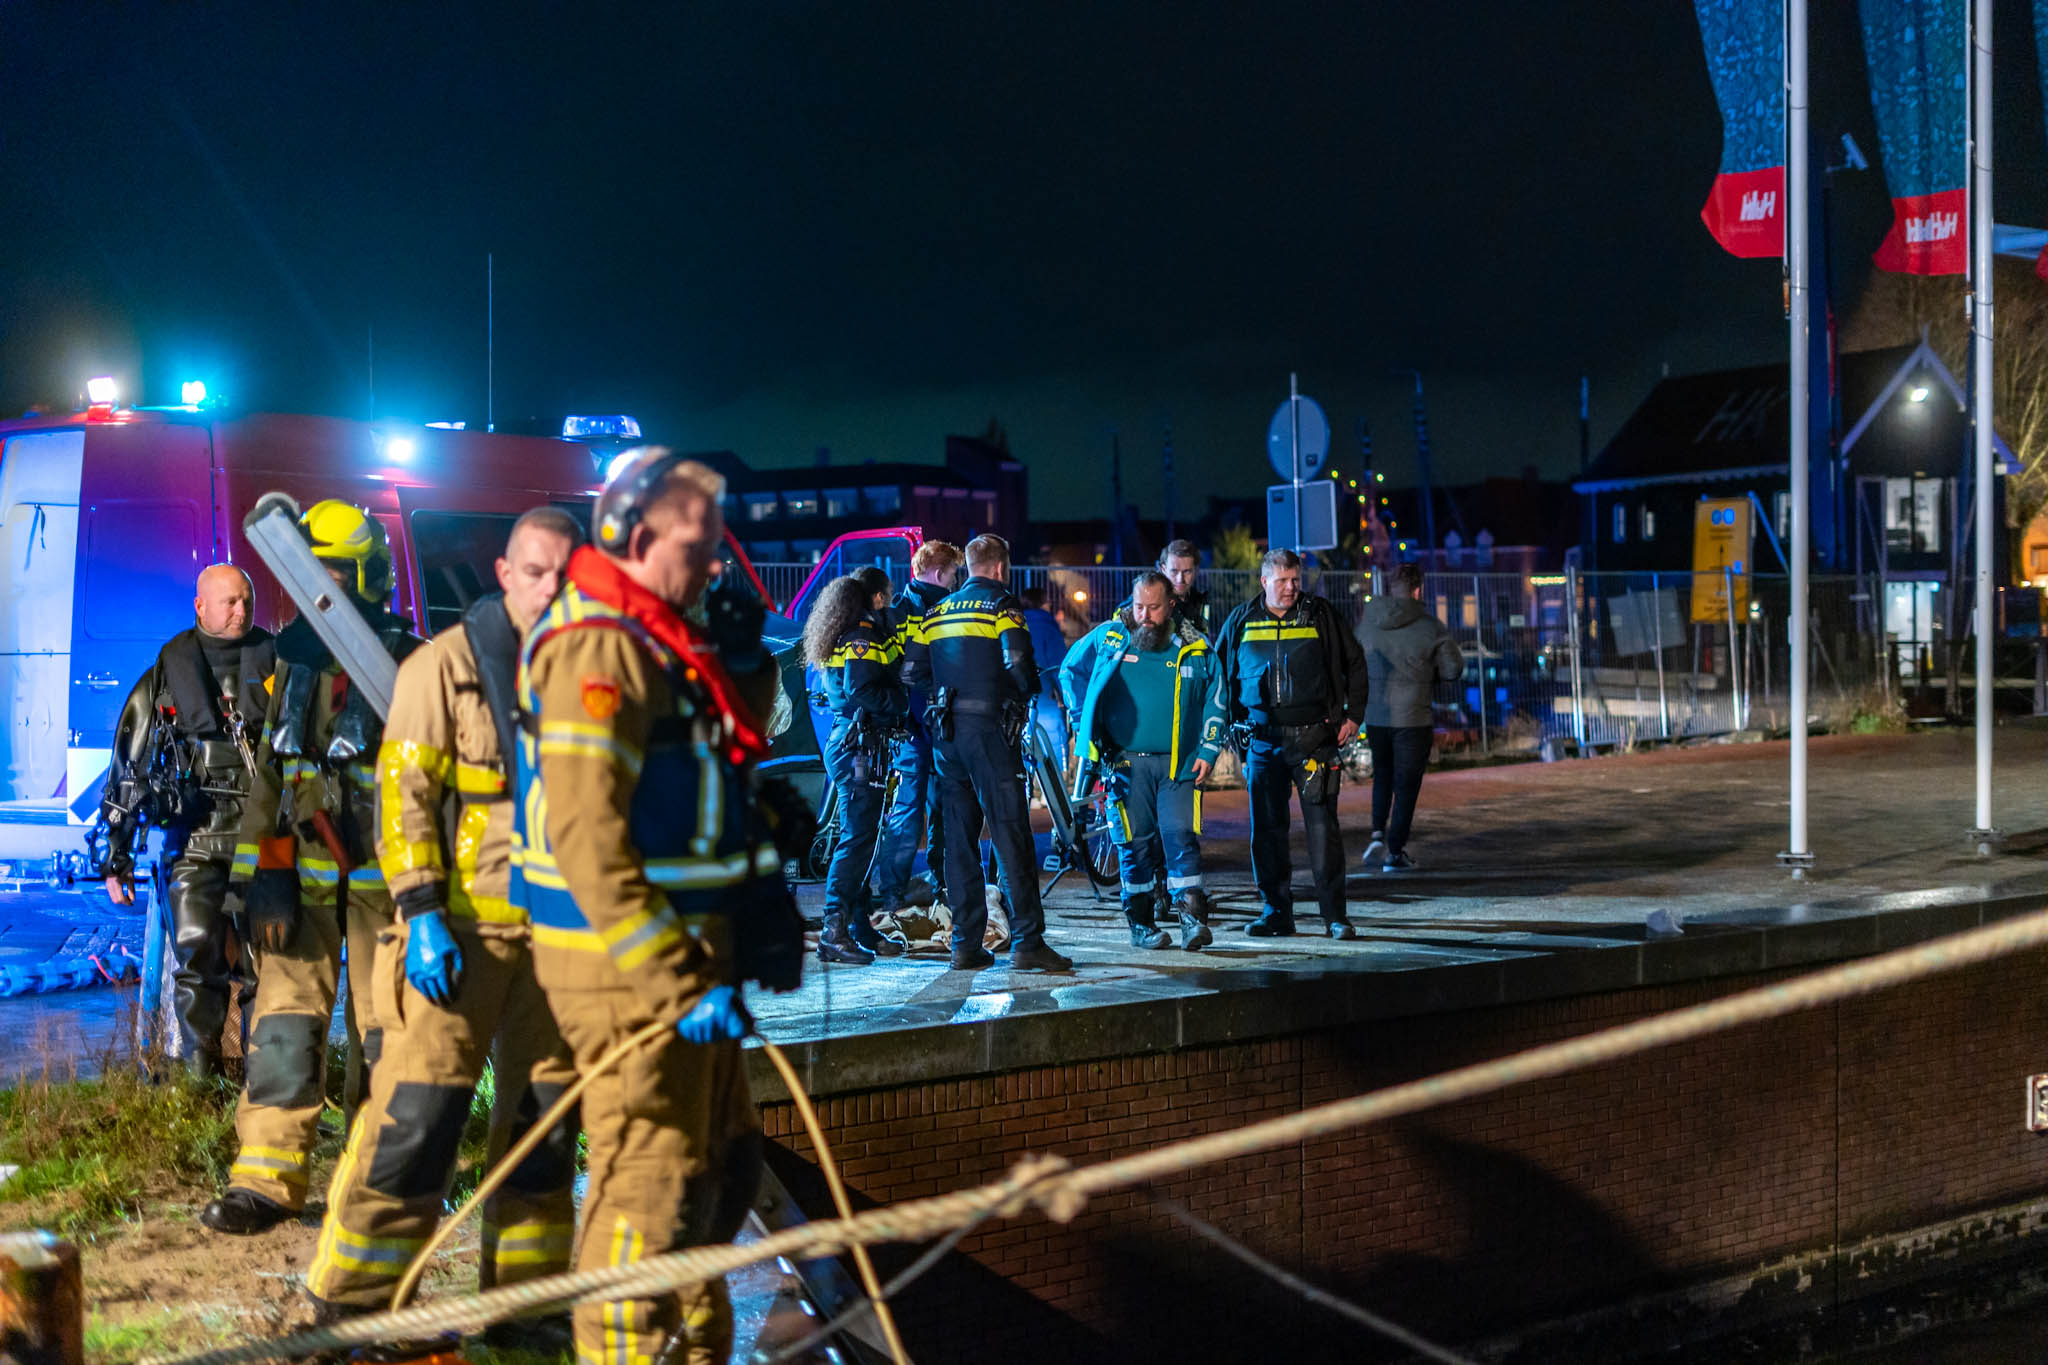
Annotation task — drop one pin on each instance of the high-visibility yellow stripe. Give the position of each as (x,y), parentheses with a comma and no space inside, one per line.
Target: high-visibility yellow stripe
(588,741)
(1273,630)
(477,779)
(963,630)
(567,940)
(1198,810)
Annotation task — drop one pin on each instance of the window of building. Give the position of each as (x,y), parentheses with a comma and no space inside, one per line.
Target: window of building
(842,502)
(804,504)
(1620,524)
(768,551)
(1781,512)
(1912,515)
(1649,521)
(762,506)
(882,500)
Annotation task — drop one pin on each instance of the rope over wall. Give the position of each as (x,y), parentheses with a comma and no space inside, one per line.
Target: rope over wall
(1061,1192)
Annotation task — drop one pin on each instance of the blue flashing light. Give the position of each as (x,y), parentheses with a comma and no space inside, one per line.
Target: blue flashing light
(101,390)
(400,449)
(449,426)
(612,427)
(192,392)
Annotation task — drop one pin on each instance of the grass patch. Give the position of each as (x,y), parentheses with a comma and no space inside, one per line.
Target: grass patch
(91,1152)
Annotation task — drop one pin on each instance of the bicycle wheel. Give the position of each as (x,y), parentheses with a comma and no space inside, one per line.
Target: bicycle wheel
(1098,848)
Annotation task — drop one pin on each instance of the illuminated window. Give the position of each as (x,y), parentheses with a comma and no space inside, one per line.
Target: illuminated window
(1649,520)
(1620,524)
(882,500)
(1781,513)
(800,504)
(762,506)
(842,502)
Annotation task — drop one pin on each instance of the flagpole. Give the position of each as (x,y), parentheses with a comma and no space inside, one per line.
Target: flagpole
(1799,855)
(1981,411)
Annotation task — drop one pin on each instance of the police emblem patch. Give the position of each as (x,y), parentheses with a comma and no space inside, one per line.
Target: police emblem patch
(600,696)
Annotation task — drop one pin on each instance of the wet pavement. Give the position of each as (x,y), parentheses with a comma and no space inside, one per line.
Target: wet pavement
(1519,865)
(1529,861)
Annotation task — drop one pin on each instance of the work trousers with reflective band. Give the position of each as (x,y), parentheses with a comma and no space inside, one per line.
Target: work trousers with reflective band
(915,811)
(1156,823)
(674,1161)
(279,1114)
(392,1183)
(980,772)
(860,821)
(1274,772)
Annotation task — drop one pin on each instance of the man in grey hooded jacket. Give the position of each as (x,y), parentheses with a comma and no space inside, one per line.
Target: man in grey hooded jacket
(1407,652)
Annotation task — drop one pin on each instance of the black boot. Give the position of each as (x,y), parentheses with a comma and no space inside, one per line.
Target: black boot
(836,945)
(871,940)
(1144,932)
(1192,906)
(244,1213)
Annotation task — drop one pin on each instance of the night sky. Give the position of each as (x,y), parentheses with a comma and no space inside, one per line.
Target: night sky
(770,227)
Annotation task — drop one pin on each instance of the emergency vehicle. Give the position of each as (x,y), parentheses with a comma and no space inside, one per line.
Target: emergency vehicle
(107,515)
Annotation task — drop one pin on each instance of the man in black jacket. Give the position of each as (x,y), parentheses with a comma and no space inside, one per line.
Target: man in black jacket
(183,759)
(1294,689)
(974,650)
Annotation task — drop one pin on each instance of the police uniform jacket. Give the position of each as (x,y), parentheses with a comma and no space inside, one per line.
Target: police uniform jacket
(635,831)
(318,756)
(444,810)
(975,644)
(865,673)
(1300,669)
(182,702)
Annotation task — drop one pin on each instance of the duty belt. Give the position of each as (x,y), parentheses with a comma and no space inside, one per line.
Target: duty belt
(977,706)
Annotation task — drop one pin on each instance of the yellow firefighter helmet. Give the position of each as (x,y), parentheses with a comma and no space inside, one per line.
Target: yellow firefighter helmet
(345,534)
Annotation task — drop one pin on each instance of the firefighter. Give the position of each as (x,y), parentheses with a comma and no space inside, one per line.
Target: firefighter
(1150,705)
(975,650)
(914,811)
(651,870)
(305,849)
(846,639)
(460,971)
(184,761)
(1294,684)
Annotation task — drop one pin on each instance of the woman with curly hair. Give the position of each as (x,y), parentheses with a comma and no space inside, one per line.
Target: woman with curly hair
(848,640)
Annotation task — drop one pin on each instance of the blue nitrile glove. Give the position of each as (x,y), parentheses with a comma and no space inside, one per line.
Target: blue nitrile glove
(720,1016)
(433,960)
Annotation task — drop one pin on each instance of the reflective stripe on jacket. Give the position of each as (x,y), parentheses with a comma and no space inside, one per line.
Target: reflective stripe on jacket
(974,643)
(443,804)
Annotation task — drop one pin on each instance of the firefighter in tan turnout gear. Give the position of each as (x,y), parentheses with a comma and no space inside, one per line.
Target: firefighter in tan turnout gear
(457,979)
(645,851)
(305,855)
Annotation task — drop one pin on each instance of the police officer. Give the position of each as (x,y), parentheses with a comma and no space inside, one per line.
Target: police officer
(466,988)
(976,651)
(915,811)
(1294,681)
(1180,561)
(647,863)
(305,850)
(184,761)
(1150,705)
(846,638)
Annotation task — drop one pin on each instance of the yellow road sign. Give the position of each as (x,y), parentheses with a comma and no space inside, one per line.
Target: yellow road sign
(1722,534)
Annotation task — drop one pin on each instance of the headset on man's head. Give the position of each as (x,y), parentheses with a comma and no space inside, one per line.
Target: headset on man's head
(623,503)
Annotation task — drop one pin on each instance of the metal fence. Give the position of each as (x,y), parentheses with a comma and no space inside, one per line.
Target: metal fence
(1600,660)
